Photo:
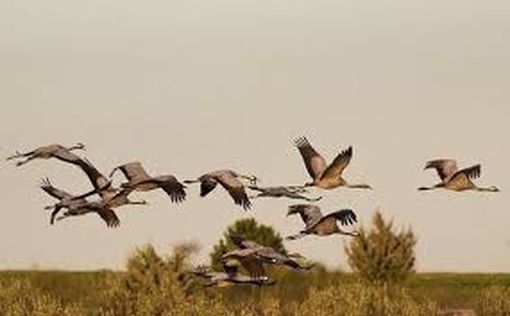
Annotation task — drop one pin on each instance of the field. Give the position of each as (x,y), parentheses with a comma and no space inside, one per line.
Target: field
(446,289)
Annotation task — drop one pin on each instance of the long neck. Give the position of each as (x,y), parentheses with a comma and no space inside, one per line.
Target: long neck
(75,147)
(437,186)
(488,189)
(359,186)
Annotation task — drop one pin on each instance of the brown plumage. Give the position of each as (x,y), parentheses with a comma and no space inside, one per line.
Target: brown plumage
(324,176)
(229,180)
(454,179)
(317,224)
(139,180)
(50,151)
(230,276)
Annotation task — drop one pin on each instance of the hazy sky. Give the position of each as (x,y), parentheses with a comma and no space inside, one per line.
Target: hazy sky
(192,86)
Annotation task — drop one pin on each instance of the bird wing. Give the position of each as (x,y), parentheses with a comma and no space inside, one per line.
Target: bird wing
(109,217)
(235,188)
(462,177)
(310,214)
(346,217)
(207,184)
(445,168)
(133,171)
(98,180)
(174,189)
(65,155)
(54,192)
(339,164)
(249,261)
(314,162)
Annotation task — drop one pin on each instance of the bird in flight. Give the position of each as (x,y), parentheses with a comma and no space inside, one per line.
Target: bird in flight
(320,225)
(291,192)
(139,180)
(326,176)
(230,276)
(454,179)
(267,254)
(230,181)
(50,151)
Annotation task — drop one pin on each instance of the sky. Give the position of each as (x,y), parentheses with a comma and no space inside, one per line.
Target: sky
(188,86)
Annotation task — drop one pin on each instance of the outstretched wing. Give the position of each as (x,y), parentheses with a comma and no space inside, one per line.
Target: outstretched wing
(65,155)
(445,168)
(207,184)
(133,171)
(462,178)
(54,192)
(109,217)
(249,261)
(314,162)
(98,180)
(339,164)
(310,214)
(235,188)
(345,217)
(174,189)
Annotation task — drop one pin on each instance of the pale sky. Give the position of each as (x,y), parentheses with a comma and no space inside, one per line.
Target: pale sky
(188,86)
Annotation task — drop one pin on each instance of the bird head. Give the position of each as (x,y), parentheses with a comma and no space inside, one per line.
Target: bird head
(80,146)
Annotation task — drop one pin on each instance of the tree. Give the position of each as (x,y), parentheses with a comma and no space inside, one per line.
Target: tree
(249,228)
(382,255)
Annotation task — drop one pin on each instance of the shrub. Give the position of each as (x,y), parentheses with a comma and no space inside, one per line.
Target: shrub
(382,255)
(494,301)
(154,286)
(19,298)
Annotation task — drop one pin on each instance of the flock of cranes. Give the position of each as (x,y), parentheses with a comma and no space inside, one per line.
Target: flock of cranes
(249,255)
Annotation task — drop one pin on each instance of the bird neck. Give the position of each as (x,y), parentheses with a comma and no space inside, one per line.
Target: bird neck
(359,186)
(489,189)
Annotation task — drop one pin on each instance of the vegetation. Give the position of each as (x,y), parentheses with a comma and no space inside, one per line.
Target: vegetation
(163,285)
(382,255)
(249,228)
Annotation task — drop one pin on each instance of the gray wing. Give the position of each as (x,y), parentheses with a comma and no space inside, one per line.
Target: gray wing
(133,171)
(109,217)
(98,180)
(346,217)
(310,214)
(445,168)
(314,162)
(54,192)
(207,184)
(174,189)
(65,155)
(235,188)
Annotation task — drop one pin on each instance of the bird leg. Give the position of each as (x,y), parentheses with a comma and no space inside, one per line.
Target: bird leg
(359,186)
(20,163)
(191,181)
(19,155)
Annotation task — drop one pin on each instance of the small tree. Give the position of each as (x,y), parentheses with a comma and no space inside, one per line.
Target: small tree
(382,255)
(249,228)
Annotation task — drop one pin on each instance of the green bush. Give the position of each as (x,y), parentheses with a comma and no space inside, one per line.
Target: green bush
(382,255)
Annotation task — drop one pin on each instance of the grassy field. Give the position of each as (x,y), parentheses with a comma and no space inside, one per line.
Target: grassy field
(449,290)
